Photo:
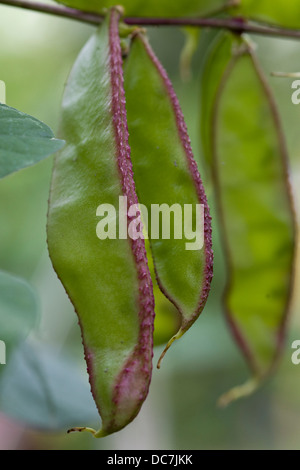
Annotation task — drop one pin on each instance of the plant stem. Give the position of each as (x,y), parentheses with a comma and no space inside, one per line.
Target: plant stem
(237,25)
(71,13)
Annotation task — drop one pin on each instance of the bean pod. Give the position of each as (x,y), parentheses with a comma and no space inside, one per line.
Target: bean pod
(166,174)
(108,280)
(250,172)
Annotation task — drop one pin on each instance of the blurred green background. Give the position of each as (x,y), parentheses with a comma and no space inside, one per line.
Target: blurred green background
(36,54)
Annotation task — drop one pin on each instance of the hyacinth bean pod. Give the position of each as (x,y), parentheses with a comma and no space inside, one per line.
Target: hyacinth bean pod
(166,173)
(250,172)
(108,281)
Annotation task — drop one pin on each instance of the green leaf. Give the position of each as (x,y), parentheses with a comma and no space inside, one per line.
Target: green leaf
(44,390)
(256,214)
(24,140)
(278,13)
(19,309)
(155,8)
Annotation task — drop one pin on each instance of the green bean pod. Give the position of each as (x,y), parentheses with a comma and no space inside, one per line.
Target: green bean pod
(250,172)
(217,57)
(107,280)
(166,174)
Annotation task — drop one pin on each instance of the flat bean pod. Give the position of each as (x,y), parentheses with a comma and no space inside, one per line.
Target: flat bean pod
(250,172)
(166,173)
(216,61)
(108,281)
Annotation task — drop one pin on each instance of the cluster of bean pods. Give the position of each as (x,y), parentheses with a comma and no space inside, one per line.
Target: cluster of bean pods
(108,281)
(126,136)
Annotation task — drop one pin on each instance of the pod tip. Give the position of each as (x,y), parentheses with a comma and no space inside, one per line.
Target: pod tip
(238,392)
(177,336)
(86,429)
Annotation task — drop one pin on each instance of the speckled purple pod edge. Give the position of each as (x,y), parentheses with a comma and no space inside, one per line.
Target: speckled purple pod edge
(132,384)
(186,143)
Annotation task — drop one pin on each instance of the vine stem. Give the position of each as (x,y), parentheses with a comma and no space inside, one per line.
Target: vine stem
(238,25)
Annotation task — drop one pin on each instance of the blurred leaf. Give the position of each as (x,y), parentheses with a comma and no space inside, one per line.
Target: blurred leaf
(152,7)
(279,13)
(45,391)
(19,309)
(23,211)
(190,46)
(250,170)
(24,140)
